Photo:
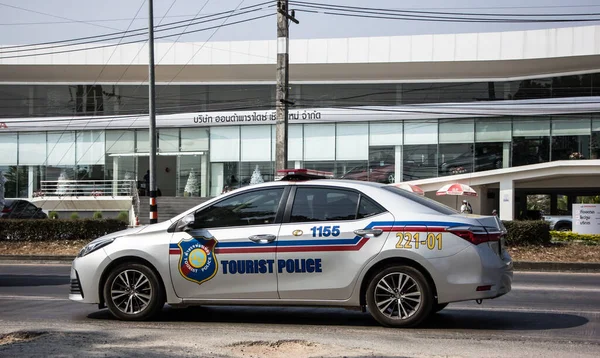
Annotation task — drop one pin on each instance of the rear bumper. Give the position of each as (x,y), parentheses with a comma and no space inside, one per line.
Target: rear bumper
(475,273)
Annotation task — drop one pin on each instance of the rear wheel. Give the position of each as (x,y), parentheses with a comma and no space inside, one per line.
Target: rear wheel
(132,292)
(399,296)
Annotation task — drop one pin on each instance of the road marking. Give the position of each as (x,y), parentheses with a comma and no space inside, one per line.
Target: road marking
(540,288)
(518,309)
(32,298)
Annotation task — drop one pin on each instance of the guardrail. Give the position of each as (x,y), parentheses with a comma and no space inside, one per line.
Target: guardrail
(93,188)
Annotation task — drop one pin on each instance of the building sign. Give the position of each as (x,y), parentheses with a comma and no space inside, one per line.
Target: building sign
(586,218)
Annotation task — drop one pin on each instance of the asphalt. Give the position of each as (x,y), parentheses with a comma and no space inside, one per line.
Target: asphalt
(546,314)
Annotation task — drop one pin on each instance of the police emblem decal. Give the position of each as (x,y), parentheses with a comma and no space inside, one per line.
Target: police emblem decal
(197,260)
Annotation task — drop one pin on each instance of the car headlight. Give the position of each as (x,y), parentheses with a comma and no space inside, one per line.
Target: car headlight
(95,245)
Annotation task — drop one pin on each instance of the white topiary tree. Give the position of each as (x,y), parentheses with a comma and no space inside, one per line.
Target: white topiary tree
(256,177)
(192,187)
(62,187)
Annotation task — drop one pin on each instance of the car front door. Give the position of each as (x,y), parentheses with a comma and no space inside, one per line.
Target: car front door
(227,250)
(327,237)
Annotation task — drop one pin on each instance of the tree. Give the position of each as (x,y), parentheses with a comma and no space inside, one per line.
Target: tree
(256,177)
(192,187)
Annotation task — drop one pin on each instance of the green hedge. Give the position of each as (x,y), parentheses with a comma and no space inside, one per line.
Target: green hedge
(41,230)
(572,236)
(530,232)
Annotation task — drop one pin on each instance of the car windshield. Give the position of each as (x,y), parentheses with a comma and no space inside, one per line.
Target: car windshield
(429,203)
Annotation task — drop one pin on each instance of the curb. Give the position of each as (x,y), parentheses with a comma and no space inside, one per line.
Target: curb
(518,265)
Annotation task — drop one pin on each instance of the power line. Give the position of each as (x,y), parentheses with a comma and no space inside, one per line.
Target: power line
(142,29)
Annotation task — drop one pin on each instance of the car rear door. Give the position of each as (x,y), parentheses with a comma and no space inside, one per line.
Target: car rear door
(229,253)
(328,235)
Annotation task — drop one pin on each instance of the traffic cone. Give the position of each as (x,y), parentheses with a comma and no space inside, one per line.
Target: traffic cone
(137,221)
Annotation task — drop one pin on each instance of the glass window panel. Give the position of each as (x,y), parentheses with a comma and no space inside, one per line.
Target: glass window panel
(323,204)
(61,148)
(530,150)
(295,142)
(142,137)
(352,141)
(324,166)
(595,154)
(253,208)
(194,139)
(256,143)
(388,133)
(319,142)
(224,177)
(32,148)
(570,147)
(353,170)
(168,140)
(189,175)
(493,130)
(456,159)
(596,124)
(491,155)
(457,131)
(420,132)
(523,127)
(8,148)
(256,172)
(571,127)
(90,148)
(120,141)
(224,144)
(419,162)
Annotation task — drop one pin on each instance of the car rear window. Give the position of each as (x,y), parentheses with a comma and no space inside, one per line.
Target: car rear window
(429,203)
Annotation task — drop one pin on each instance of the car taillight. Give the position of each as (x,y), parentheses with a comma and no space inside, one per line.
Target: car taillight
(6,210)
(477,234)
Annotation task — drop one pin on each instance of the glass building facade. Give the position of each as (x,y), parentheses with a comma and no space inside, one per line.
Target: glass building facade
(224,157)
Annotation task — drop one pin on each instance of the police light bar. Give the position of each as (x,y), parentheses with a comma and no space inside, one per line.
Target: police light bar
(302,174)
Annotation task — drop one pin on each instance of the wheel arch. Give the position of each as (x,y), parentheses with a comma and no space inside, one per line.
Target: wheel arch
(391,261)
(122,260)
(562,223)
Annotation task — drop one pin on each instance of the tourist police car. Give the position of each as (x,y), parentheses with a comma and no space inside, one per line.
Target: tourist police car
(301,242)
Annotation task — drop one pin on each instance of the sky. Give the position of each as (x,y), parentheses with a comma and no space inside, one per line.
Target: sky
(53,20)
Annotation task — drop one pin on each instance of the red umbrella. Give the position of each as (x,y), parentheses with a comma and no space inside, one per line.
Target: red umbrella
(410,187)
(456,189)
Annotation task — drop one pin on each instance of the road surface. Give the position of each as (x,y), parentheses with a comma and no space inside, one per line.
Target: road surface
(546,315)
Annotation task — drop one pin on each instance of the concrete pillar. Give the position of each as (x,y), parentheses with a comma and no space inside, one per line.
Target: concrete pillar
(398,164)
(31,182)
(115,176)
(507,199)
(399,93)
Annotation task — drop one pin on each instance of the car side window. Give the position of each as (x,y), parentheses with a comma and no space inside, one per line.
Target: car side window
(324,204)
(253,208)
(367,208)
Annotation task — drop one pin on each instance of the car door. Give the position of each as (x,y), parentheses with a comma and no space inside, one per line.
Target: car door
(328,235)
(228,250)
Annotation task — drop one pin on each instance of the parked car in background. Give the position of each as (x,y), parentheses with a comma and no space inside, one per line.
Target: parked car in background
(559,222)
(21,209)
(375,172)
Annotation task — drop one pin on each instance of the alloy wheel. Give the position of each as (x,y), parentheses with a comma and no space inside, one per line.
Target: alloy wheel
(131,292)
(398,296)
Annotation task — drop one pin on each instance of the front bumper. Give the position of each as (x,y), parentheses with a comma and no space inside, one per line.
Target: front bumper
(86,273)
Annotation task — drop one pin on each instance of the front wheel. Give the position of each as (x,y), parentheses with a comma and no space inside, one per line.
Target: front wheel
(133,293)
(399,296)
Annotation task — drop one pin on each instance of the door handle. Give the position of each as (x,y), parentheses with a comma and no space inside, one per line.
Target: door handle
(368,232)
(262,239)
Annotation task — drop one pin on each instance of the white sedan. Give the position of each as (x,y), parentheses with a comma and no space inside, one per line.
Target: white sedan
(310,243)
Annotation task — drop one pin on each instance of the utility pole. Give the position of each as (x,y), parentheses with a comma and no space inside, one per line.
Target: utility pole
(281,98)
(152,117)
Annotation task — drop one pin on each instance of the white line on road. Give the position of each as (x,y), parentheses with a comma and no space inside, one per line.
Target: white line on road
(457,307)
(542,288)
(32,298)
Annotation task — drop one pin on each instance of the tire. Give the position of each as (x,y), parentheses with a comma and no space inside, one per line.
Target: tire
(383,287)
(564,227)
(438,307)
(131,303)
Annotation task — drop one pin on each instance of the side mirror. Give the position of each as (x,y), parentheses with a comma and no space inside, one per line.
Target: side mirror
(187,223)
